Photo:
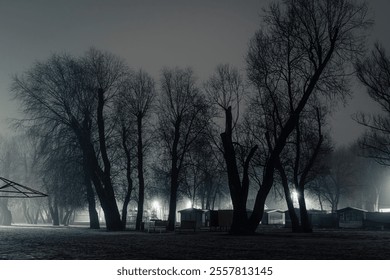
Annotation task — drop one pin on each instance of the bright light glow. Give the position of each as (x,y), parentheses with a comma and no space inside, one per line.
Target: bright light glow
(155,204)
(189,204)
(294,196)
(384,210)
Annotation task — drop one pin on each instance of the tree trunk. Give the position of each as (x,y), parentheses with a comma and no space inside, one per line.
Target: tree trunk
(290,205)
(7,215)
(66,217)
(238,190)
(26,213)
(54,212)
(175,170)
(36,217)
(128,176)
(173,198)
(106,193)
(140,168)
(126,203)
(93,215)
(100,178)
(305,221)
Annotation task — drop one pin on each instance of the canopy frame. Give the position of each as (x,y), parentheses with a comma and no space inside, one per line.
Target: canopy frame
(10,189)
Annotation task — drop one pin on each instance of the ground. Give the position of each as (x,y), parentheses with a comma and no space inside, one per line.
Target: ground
(45,242)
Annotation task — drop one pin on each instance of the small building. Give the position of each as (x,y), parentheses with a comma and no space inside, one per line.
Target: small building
(351,217)
(273,217)
(193,215)
(211,218)
(377,220)
(317,218)
(328,220)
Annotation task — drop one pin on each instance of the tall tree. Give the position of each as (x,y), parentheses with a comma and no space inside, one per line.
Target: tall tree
(302,51)
(182,118)
(135,107)
(225,89)
(77,94)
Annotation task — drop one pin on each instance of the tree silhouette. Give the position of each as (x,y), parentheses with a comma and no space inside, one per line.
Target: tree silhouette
(182,118)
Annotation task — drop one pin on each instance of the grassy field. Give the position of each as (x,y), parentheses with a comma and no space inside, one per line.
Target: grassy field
(45,242)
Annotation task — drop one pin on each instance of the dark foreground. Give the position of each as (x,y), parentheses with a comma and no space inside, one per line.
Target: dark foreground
(26,242)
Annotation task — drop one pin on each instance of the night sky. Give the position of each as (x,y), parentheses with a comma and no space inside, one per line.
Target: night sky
(150,34)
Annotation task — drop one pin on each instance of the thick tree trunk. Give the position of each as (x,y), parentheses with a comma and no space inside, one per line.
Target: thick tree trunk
(173,199)
(238,190)
(93,215)
(305,221)
(126,204)
(106,193)
(100,178)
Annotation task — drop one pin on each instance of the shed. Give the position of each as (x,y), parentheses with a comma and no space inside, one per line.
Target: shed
(193,215)
(273,217)
(211,218)
(351,217)
(317,218)
(377,220)
(320,218)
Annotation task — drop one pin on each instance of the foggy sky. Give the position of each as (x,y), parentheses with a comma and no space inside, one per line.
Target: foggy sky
(150,34)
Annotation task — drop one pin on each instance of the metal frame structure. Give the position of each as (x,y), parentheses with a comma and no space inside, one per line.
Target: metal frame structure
(11,189)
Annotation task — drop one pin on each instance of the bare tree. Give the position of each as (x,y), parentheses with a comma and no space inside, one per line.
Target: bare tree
(8,165)
(182,118)
(340,177)
(225,89)
(77,94)
(374,72)
(62,174)
(134,107)
(308,148)
(302,51)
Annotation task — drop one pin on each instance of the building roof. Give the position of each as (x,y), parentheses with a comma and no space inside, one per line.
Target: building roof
(191,210)
(273,210)
(351,208)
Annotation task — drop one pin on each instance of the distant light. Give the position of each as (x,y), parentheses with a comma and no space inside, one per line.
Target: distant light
(384,210)
(155,204)
(294,196)
(189,204)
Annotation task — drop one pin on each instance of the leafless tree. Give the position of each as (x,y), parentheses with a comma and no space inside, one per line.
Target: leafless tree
(135,102)
(77,94)
(374,72)
(302,51)
(225,89)
(182,118)
(302,161)
(9,160)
